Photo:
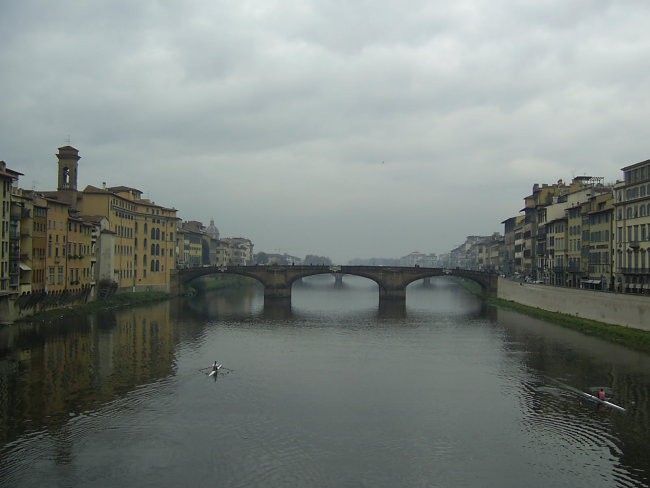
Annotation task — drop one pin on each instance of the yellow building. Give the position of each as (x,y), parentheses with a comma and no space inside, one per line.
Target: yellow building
(39,243)
(56,255)
(195,244)
(241,250)
(79,254)
(9,270)
(600,233)
(30,211)
(555,272)
(144,235)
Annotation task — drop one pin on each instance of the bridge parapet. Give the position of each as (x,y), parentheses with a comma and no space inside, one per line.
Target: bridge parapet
(391,280)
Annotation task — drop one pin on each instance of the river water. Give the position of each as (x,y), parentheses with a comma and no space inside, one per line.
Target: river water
(332,392)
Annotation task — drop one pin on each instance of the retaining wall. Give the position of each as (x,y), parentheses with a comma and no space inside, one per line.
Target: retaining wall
(611,308)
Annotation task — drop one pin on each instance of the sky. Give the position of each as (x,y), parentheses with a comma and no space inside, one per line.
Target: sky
(346,129)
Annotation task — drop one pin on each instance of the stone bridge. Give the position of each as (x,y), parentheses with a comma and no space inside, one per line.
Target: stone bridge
(277,280)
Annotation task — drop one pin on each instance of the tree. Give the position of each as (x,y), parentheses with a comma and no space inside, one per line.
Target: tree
(312,259)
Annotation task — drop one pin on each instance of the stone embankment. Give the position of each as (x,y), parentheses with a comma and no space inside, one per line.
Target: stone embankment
(611,308)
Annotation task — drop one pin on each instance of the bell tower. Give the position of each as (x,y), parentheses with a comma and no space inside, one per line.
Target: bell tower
(68,161)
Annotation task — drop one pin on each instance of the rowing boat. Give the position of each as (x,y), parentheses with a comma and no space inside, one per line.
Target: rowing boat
(588,396)
(602,402)
(215,371)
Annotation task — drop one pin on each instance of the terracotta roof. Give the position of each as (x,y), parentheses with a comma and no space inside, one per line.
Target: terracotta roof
(8,173)
(94,189)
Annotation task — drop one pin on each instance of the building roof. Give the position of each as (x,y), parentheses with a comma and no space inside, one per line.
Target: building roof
(635,165)
(93,219)
(8,173)
(94,189)
(115,190)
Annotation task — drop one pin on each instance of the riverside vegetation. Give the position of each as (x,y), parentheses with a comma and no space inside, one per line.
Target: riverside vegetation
(132,299)
(120,300)
(626,336)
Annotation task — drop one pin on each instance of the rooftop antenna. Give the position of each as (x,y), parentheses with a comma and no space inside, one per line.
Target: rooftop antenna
(67,140)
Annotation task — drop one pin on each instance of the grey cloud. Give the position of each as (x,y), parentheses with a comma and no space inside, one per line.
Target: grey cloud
(328,127)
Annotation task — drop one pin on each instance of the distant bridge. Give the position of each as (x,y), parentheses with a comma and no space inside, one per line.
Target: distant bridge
(277,280)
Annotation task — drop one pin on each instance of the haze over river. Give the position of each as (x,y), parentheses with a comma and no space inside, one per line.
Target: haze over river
(335,392)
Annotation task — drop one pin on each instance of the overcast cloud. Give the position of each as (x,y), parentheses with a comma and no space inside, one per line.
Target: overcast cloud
(346,129)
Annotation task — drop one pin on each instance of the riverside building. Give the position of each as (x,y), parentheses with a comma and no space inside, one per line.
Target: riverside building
(632,237)
(9,270)
(143,233)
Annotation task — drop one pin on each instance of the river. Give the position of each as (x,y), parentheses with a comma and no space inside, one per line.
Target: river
(334,391)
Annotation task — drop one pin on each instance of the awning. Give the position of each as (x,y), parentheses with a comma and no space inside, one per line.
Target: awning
(24,267)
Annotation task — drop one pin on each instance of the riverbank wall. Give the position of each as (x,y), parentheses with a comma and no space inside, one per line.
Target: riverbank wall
(611,308)
(16,307)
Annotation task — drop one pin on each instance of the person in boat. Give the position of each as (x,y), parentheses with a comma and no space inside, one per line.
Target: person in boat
(601,394)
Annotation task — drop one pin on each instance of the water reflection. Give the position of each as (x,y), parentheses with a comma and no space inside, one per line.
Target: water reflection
(331,389)
(278,309)
(392,309)
(50,372)
(552,353)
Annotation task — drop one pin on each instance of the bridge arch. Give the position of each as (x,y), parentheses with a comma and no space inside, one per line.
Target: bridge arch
(392,281)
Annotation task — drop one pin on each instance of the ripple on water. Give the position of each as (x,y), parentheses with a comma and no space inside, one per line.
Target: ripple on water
(569,430)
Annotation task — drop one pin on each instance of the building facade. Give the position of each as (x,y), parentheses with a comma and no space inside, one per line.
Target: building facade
(144,235)
(632,235)
(9,233)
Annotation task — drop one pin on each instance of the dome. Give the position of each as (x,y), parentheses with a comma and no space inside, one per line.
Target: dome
(212,230)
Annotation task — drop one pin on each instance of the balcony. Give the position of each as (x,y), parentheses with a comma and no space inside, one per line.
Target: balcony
(635,270)
(599,268)
(634,244)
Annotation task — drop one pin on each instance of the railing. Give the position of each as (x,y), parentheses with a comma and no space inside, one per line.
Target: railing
(599,268)
(635,270)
